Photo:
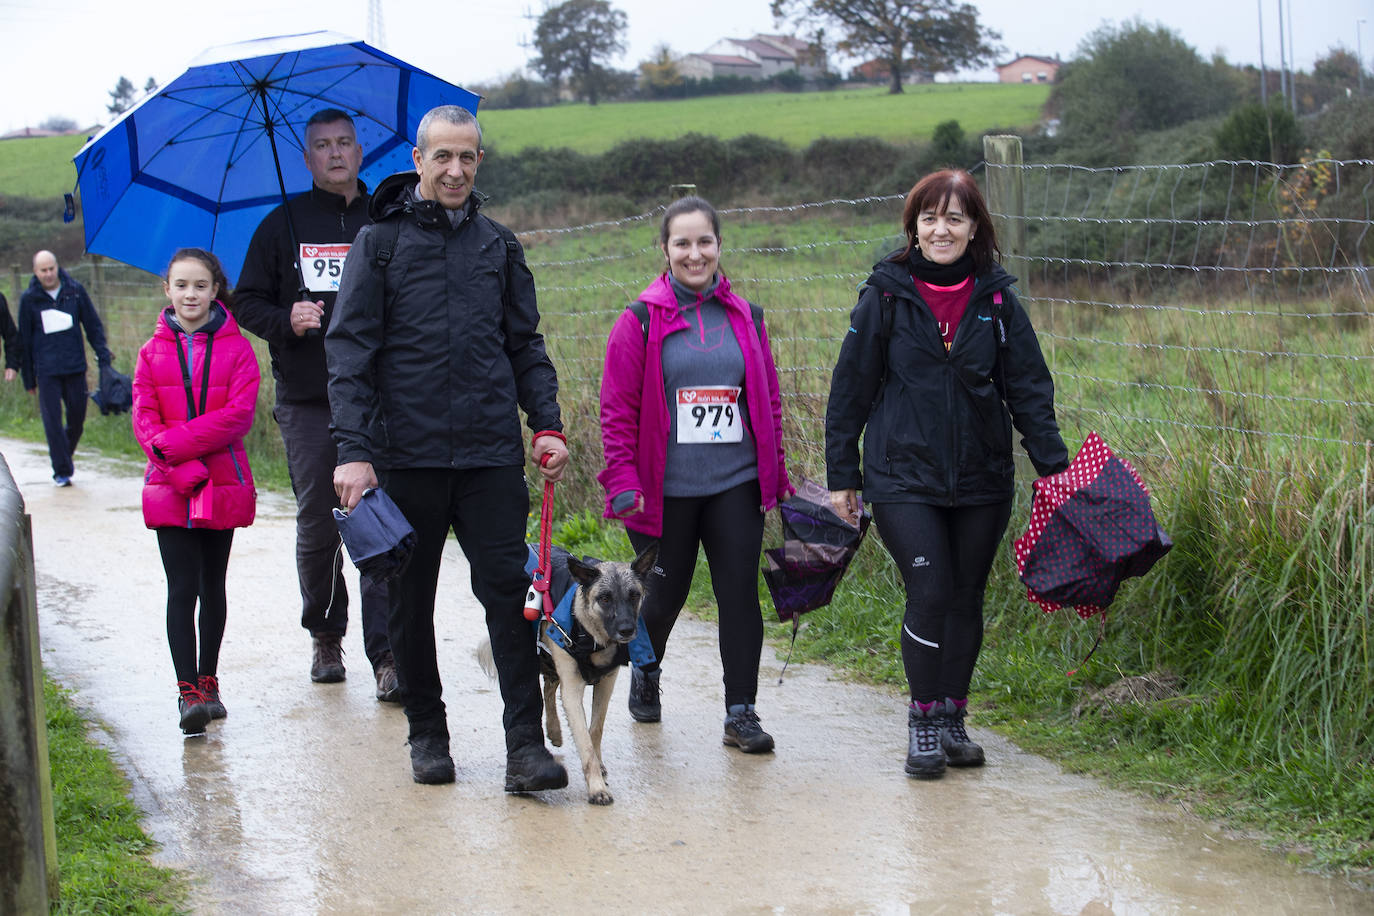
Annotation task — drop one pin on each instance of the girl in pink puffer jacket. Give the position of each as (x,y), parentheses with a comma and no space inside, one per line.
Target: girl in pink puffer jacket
(195,389)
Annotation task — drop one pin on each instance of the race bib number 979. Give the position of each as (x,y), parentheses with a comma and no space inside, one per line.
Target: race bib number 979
(322,265)
(709,415)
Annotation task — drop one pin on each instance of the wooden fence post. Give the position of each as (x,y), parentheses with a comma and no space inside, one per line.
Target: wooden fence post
(28,863)
(98,284)
(1006,193)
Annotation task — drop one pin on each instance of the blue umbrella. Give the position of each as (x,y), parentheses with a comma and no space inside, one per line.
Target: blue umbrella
(204,159)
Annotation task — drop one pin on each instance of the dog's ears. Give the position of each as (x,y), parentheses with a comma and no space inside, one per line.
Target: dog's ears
(644,563)
(584,573)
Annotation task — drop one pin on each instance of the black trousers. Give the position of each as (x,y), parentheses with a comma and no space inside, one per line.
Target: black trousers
(54,393)
(486,509)
(944,555)
(196,561)
(729,527)
(311,456)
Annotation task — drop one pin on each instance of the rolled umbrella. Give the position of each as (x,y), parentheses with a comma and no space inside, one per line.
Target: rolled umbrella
(816,550)
(205,158)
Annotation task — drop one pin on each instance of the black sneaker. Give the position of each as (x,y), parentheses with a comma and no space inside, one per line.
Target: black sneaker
(742,730)
(208,685)
(194,711)
(644,705)
(326,663)
(430,763)
(531,768)
(960,751)
(925,757)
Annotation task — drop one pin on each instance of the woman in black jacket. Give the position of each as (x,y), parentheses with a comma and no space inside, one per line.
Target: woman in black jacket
(940,361)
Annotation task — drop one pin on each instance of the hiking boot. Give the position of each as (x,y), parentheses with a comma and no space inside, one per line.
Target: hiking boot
(531,768)
(326,664)
(388,685)
(195,712)
(742,730)
(959,750)
(208,685)
(925,757)
(430,763)
(644,705)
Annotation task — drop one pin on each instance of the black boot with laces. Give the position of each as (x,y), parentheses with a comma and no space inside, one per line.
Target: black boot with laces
(743,730)
(925,757)
(960,751)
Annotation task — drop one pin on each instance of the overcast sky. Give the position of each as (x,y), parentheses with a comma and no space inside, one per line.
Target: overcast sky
(61,57)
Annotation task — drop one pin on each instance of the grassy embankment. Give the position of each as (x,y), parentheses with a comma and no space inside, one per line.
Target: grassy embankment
(102,850)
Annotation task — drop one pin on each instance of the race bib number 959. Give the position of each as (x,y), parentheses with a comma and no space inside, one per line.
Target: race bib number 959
(322,265)
(709,415)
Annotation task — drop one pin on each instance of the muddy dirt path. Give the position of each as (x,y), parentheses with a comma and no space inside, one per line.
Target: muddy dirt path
(302,802)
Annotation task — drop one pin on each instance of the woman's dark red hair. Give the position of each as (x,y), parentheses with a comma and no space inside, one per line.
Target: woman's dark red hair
(934,192)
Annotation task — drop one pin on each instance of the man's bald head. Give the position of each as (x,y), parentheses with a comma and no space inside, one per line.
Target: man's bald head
(45,269)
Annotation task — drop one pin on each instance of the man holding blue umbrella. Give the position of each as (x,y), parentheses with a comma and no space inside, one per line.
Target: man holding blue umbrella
(285,295)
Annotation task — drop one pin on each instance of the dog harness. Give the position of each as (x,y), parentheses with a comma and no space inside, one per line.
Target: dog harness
(571,636)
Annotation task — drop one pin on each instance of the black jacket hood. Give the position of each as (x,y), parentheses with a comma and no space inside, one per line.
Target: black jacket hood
(393,198)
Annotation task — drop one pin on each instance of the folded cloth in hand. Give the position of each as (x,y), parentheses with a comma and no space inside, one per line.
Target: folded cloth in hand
(377,535)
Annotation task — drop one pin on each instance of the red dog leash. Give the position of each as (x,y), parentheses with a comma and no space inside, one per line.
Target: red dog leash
(538,598)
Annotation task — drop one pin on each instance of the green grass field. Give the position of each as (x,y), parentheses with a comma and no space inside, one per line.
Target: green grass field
(38,167)
(795,118)
(42,167)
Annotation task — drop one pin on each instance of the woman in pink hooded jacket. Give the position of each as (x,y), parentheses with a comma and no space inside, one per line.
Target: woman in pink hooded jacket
(195,389)
(691,427)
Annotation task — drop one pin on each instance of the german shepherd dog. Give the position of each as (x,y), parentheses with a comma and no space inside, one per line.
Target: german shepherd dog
(605,614)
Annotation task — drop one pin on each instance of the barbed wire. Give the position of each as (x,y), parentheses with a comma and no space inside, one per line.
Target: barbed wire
(1224,351)
(1217,392)
(1219,312)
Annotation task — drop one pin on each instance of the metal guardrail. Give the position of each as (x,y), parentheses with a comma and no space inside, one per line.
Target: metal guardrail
(28,855)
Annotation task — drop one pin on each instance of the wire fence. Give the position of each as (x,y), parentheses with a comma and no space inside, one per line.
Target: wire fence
(1217,309)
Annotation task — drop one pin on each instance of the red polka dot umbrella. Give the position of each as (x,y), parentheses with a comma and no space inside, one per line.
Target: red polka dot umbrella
(1091,528)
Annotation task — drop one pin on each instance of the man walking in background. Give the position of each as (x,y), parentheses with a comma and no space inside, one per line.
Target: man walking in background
(285,295)
(53,311)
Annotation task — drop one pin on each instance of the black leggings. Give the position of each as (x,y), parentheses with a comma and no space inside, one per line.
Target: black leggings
(196,561)
(729,526)
(944,555)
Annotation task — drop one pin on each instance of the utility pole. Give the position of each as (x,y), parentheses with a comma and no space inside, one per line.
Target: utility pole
(1264,76)
(376,28)
(1359,55)
(1283,61)
(1292,62)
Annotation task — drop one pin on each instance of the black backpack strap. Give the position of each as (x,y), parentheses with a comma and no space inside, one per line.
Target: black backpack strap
(387,232)
(641,311)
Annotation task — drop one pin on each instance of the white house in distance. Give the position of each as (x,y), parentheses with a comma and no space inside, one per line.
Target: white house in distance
(1029,68)
(755,58)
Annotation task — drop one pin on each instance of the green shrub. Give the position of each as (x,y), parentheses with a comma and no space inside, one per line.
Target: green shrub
(1264,133)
